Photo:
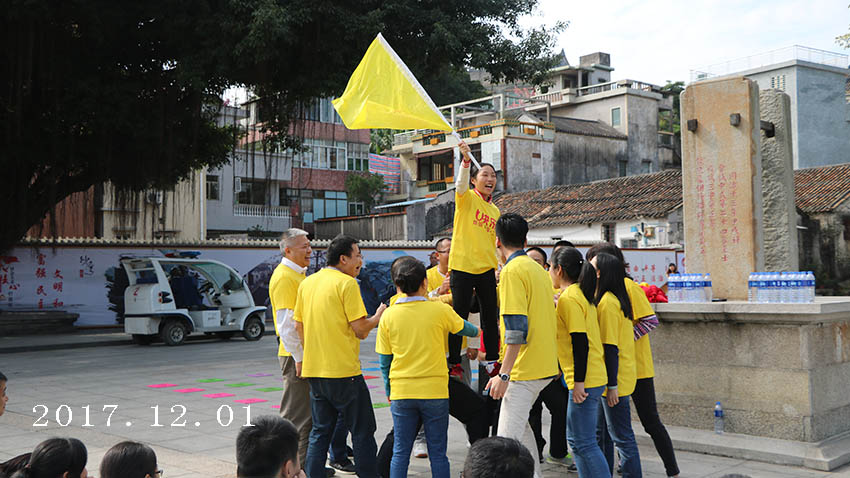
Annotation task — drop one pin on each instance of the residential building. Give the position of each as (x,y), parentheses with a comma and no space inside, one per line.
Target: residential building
(582,128)
(817,82)
(266,190)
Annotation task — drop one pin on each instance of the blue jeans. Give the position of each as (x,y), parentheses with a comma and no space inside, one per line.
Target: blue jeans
(339,443)
(434,416)
(619,424)
(349,398)
(581,435)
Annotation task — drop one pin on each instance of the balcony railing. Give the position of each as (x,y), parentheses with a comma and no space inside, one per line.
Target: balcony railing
(795,52)
(259,210)
(565,94)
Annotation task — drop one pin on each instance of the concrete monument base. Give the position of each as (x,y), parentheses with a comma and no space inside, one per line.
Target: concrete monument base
(781,372)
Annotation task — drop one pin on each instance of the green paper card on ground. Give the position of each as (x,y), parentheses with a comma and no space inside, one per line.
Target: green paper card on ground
(240,384)
(380,405)
(210,380)
(270,389)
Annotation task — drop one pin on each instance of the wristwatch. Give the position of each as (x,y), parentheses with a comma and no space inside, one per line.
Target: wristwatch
(505,377)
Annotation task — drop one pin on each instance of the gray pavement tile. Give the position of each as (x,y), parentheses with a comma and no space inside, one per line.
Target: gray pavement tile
(192,445)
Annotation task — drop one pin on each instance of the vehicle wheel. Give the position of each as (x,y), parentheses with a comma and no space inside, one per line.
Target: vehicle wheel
(140,339)
(224,335)
(173,332)
(253,328)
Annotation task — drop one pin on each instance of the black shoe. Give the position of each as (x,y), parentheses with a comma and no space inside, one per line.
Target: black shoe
(572,468)
(329,472)
(344,468)
(349,451)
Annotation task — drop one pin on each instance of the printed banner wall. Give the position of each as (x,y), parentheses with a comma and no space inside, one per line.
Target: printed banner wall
(86,280)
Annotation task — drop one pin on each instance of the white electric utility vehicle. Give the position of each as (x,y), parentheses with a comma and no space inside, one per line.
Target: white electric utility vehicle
(173,297)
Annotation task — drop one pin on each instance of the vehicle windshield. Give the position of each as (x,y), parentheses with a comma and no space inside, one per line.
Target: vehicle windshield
(221,276)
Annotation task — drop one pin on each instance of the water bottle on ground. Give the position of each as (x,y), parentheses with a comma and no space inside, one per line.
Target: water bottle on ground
(718,418)
(752,288)
(706,288)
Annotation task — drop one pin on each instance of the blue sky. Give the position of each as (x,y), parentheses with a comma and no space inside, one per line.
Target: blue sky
(659,40)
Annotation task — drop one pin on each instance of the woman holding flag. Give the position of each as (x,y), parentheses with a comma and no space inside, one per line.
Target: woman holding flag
(472,260)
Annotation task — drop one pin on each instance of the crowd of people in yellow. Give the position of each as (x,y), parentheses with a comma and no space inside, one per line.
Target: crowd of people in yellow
(558,331)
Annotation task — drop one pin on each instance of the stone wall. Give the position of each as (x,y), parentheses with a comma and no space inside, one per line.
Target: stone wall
(580,159)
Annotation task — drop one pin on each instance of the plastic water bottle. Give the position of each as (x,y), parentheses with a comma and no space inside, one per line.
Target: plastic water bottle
(752,288)
(763,292)
(718,418)
(707,293)
(810,287)
(672,283)
(784,291)
(688,289)
(792,288)
(774,288)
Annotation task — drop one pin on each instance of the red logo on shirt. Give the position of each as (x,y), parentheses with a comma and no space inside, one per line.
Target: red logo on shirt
(484,220)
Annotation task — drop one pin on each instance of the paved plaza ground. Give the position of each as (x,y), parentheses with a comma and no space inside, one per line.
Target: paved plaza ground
(194,444)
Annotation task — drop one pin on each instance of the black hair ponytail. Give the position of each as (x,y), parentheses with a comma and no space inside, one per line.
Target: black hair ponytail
(612,278)
(578,270)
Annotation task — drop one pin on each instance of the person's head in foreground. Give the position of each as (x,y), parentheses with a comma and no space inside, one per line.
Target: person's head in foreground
(484,179)
(56,458)
(511,232)
(409,276)
(344,254)
(295,246)
(129,459)
(498,457)
(539,256)
(269,449)
(611,278)
(4,399)
(560,244)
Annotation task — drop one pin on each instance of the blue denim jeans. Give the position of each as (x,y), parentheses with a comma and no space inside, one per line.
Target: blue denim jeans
(581,435)
(339,442)
(434,416)
(348,397)
(619,431)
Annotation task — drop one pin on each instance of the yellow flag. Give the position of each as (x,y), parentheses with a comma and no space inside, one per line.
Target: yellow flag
(383,93)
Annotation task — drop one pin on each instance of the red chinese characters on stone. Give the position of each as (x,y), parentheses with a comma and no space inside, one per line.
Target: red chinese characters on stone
(40,291)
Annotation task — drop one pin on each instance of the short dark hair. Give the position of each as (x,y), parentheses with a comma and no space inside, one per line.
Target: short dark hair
(498,456)
(408,274)
(437,244)
(128,459)
(342,245)
(3,378)
(54,457)
(539,251)
(560,244)
(512,229)
(264,448)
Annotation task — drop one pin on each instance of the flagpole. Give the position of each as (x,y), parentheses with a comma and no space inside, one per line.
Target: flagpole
(474,161)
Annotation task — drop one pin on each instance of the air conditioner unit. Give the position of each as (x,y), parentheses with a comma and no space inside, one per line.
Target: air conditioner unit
(155,197)
(237,185)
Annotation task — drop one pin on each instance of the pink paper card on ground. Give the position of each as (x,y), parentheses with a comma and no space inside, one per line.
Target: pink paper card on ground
(190,390)
(276,406)
(220,395)
(248,401)
(162,385)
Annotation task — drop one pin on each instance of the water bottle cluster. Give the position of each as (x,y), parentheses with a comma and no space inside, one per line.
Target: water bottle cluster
(689,288)
(781,287)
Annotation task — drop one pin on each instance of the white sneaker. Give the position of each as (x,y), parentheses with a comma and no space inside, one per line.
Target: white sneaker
(420,449)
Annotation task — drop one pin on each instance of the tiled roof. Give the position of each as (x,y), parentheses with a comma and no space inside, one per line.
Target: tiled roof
(822,189)
(647,195)
(585,127)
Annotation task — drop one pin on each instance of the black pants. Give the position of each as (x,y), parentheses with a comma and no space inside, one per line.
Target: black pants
(555,397)
(644,399)
(463,285)
(465,405)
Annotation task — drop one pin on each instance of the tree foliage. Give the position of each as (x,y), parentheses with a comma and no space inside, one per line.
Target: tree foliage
(365,188)
(844,40)
(98,91)
(673,123)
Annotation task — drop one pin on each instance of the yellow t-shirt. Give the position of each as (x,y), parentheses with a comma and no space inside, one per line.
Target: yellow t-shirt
(415,334)
(616,329)
(526,289)
(283,289)
(576,315)
(474,249)
(640,309)
(327,302)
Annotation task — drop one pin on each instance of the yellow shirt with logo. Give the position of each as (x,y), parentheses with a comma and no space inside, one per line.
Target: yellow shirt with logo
(283,289)
(641,309)
(526,289)
(474,250)
(415,334)
(327,302)
(616,329)
(577,315)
